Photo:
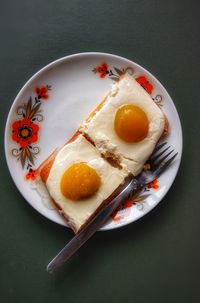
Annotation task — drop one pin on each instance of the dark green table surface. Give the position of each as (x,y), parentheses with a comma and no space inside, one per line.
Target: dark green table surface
(156,259)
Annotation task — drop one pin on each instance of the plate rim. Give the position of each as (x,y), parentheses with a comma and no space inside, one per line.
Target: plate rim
(68,58)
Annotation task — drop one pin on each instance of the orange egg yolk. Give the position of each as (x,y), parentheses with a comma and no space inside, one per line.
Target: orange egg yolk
(131,123)
(79,181)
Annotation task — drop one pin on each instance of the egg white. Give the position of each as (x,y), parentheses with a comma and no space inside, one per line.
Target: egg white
(101,130)
(81,150)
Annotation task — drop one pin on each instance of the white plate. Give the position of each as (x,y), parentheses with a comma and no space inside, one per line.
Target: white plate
(75,85)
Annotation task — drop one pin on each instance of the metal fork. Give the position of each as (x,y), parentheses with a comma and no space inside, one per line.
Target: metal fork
(159,162)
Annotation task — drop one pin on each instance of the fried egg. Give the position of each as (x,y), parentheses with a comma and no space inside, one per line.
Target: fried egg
(80,180)
(128,125)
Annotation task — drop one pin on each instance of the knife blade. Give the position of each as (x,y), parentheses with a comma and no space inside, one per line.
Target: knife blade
(79,239)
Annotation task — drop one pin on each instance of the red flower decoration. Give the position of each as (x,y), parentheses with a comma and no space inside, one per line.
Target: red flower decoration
(142,80)
(25,132)
(42,92)
(128,204)
(31,175)
(102,70)
(115,216)
(154,184)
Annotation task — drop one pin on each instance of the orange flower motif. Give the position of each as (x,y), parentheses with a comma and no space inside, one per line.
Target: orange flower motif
(142,80)
(42,92)
(25,132)
(154,184)
(115,216)
(102,70)
(31,175)
(128,204)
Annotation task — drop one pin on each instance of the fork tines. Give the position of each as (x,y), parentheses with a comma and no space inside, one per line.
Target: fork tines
(158,147)
(157,159)
(168,162)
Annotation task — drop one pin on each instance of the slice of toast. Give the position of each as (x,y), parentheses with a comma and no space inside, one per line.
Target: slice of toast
(79,149)
(126,96)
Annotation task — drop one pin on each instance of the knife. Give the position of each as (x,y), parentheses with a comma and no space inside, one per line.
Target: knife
(78,240)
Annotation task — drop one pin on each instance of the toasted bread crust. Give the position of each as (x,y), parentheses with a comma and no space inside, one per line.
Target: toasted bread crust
(166,129)
(97,108)
(45,167)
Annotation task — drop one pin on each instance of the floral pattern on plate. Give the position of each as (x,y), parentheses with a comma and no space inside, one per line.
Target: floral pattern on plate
(139,202)
(103,70)
(25,130)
